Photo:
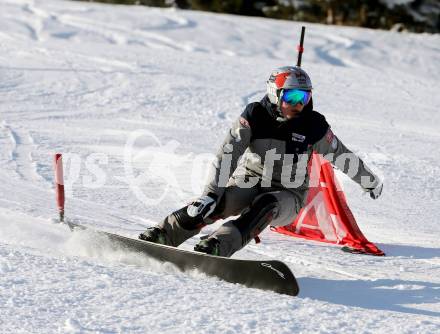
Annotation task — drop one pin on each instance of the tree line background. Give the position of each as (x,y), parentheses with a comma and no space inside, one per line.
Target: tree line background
(399,15)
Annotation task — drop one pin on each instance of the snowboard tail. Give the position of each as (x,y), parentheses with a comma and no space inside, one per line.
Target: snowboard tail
(265,275)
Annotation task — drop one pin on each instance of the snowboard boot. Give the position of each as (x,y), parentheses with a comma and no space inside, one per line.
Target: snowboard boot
(174,229)
(154,234)
(209,246)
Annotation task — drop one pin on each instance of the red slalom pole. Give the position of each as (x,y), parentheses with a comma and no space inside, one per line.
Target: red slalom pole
(59,184)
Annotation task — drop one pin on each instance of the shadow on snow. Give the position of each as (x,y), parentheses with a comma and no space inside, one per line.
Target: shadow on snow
(412,252)
(386,294)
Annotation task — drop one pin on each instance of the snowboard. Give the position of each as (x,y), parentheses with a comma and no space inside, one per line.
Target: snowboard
(265,275)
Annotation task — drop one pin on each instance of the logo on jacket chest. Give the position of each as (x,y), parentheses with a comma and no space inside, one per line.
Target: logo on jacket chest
(298,138)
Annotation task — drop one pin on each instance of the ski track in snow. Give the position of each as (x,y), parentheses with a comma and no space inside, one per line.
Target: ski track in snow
(83,78)
(22,146)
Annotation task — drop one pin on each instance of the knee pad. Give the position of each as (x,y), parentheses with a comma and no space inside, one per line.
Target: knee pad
(257,217)
(186,221)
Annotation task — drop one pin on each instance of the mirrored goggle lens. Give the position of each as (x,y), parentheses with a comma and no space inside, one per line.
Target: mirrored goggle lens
(295,96)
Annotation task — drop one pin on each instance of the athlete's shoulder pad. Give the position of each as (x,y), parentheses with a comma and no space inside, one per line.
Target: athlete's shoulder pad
(253,112)
(318,125)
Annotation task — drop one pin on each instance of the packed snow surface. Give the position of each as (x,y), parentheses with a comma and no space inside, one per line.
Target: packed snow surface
(138,99)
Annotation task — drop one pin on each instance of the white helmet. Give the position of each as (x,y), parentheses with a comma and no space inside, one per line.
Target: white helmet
(287,77)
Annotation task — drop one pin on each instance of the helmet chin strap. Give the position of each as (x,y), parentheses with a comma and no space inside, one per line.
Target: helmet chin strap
(280,117)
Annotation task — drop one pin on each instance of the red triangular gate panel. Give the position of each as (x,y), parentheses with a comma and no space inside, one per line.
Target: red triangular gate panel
(326,216)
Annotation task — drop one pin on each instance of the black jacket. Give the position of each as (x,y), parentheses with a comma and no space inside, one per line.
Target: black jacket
(277,153)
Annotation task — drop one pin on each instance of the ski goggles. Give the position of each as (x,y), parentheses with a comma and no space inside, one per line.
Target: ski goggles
(295,96)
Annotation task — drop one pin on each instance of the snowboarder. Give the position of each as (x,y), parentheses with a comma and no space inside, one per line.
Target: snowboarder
(276,138)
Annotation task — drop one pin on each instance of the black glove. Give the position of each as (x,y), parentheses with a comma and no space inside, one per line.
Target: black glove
(375,192)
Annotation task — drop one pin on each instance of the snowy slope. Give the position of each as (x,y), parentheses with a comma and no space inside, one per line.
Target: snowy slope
(138,100)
